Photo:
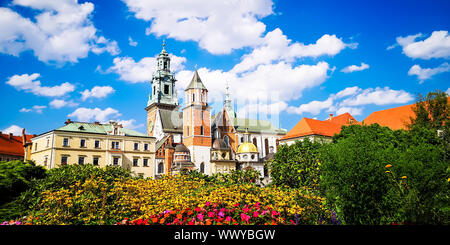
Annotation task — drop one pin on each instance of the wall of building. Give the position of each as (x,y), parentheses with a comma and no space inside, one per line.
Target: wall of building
(50,146)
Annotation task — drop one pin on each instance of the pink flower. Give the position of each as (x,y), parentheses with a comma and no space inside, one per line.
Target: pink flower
(200,217)
(245,217)
(211,214)
(228,218)
(208,203)
(274,212)
(221,214)
(245,209)
(256,214)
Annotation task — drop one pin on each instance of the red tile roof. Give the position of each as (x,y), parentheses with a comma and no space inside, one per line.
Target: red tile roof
(12,145)
(394,118)
(308,126)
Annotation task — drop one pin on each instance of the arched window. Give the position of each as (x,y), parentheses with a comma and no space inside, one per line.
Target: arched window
(266,146)
(202,167)
(193,97)
(254,142)
(160,168)
(227,140)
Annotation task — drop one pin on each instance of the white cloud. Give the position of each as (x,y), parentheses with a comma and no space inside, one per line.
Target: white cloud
(28,83)
(131,42)
(354,111)
(276,47)
(88,115)
(354,68)
(448,91)
(14,129)
(435,46)
(131,124)
(35,108)
(61,31)
(426,73)
(141,71)
(378,96)
(313,107)
(57,103)
(348,100)
(97,92)
(218,26)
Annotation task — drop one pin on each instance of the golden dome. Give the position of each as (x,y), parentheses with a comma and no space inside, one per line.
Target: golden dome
(247,147)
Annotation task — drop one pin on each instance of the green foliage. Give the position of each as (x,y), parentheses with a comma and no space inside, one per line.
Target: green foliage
(357,184)
(15,177)
(297,165)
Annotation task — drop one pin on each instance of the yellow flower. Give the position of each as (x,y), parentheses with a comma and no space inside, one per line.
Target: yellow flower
(403,177)
(388,171)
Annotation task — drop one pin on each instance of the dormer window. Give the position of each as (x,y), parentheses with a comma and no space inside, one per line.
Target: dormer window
(81,127)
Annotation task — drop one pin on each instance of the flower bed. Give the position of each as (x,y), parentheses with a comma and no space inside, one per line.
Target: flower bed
(96,202)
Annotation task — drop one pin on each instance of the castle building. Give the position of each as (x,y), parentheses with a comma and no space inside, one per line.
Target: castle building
(192,138)
(95,143)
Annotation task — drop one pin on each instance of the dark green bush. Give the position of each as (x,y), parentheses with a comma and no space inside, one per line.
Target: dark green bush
(15,178)
(355,180)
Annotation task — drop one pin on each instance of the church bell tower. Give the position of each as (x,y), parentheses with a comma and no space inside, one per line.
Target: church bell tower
(163,94)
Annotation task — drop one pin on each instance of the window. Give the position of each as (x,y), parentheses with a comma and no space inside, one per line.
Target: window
(48,142)
(115,145)
(97,144)
(115,131)
(145,163)
(35,147)
(187,129)
(266,146)
(242,139)
(63,160)
(254,142)
(201,130)
(166,89)
(160,168)
(115,161)
(66,142)
(136,146)
(165,65)
(227,140)
(202,167)
(95,161)
(193,97)
(81,160)
(82,143)
(135,162)
(45,160)
(145,147)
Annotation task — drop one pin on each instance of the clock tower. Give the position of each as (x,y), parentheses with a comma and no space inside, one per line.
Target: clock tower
(163,95)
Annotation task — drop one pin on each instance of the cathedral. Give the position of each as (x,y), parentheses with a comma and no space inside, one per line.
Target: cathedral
(190,138)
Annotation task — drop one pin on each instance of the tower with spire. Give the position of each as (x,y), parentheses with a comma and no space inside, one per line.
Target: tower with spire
(163,95)
(163,82)
(197,123)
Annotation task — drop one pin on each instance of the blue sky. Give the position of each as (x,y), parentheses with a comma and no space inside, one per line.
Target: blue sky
(93,60)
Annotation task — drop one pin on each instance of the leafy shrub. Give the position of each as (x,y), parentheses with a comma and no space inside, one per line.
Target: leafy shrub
(297,165)
(363,191)
(15,178)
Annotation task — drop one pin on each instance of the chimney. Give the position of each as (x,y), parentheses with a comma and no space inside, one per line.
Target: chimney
(96,123)
(24,140)
(10,135)
(331,116)
(67,121)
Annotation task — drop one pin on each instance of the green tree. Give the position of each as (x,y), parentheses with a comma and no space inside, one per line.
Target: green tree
(296,165)
(413,188)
